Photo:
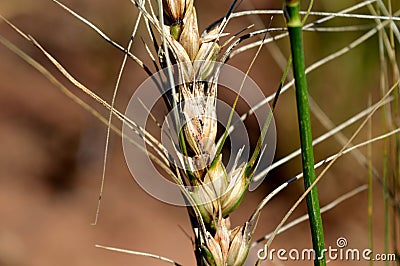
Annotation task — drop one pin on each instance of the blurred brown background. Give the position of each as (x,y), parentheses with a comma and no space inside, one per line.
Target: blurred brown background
(51,149)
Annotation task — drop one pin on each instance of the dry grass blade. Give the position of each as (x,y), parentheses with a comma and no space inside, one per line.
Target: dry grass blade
(311,24)
(150,140)
(317,65)
(76,99)
(329,160)
(324,209)
(333,132)
(69,94)
(321,175)
(111,115)
(104,36)
(138,253)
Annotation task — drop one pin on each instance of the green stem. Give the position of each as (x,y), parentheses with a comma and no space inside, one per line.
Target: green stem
(292,11)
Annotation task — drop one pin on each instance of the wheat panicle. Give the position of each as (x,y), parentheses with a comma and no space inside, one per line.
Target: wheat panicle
(215,191)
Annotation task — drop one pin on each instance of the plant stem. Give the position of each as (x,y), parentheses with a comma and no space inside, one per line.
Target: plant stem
(292,11)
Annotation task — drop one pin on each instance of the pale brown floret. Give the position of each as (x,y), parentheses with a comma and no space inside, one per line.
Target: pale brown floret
(190,38)
(176,9)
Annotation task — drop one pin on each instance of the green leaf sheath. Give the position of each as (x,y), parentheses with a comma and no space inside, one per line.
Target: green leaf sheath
(294,24)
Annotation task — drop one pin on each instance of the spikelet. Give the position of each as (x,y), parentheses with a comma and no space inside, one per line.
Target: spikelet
(200,123)
(221,192)
(190,38)
(228,247)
